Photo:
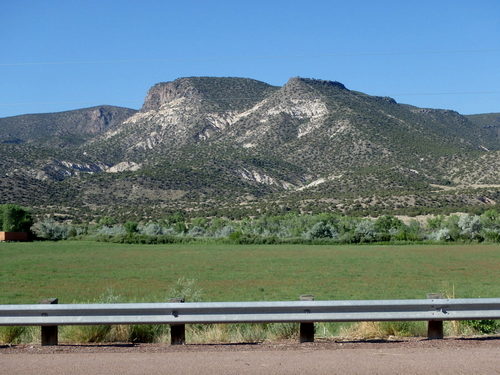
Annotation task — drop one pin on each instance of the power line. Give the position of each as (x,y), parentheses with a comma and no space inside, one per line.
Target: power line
(254,57)
(447,93)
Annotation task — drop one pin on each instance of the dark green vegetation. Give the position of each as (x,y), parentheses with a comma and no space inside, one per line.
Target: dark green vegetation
(14,218)
(81,271)
(236,147)
(284,229)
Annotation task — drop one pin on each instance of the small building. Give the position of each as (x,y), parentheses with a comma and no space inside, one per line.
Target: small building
(13,236)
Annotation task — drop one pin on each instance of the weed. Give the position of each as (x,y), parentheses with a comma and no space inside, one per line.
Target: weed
(11,335)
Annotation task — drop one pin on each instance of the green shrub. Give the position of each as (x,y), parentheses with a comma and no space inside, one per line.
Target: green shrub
(321,230)
(131,227)
(483,326)
(146,333)
(84,334)
(51,230)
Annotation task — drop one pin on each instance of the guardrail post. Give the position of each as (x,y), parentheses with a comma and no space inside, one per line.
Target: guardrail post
(306,329)
(49,333)
(435,327)
(177,331)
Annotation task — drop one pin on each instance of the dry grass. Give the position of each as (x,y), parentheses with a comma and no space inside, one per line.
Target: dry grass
(18,335)
(383,330)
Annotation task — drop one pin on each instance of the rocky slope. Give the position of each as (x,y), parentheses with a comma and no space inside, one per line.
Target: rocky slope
(62,129)
(205,143)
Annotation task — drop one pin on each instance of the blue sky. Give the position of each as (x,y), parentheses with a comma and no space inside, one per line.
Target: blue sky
(59,55)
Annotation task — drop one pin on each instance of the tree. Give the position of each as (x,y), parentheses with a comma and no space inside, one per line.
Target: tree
(107,221)
(386,226)
(51,230)
(14,218)
(131,227)
(321,230)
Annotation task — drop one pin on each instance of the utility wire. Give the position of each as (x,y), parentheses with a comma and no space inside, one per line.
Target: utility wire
(254,57)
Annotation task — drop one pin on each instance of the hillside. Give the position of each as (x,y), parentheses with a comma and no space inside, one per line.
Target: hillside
(226,145)
(489,123)
(62,129)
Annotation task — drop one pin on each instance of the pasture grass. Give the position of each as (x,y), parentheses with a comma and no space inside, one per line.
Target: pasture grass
(78,271)
(81,271)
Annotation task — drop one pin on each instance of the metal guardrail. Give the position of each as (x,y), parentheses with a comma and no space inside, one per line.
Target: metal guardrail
(305,312)
(250,312)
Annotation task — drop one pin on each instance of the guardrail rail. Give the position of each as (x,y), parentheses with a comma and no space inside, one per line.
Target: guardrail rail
(50,315)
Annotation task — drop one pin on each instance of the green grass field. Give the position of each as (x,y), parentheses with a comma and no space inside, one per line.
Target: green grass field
(78,271)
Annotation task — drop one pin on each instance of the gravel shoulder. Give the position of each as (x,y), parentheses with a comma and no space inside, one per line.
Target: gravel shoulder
(409,356)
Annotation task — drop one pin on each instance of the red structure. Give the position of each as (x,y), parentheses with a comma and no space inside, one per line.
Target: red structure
(13,236)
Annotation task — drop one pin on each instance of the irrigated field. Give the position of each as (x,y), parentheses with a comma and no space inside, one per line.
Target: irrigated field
(81,271)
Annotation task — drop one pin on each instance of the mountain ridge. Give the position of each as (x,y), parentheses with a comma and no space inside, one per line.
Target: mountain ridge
(79,124)
(199,143)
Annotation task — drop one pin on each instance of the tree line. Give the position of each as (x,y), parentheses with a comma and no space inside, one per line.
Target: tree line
(287,228)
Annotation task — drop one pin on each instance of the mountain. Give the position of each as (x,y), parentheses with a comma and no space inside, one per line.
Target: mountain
(489,122)
(215,146)
(62,128)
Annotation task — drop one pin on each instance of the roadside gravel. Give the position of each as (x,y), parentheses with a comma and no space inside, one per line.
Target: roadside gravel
(409,356)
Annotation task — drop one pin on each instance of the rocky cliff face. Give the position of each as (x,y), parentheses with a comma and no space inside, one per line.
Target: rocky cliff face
(165,92)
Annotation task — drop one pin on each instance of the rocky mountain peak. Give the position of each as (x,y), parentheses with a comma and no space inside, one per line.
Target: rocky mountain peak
(227,92)
(165,92)
(309,143)
(297,82)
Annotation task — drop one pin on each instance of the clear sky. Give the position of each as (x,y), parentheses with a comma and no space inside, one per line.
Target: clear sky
(65,54)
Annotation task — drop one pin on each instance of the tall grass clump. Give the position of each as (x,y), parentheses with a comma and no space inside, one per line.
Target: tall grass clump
(136,333)
(383,330)
(11,335)
(17,335)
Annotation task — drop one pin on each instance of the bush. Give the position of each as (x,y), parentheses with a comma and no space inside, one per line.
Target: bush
(410,232)
(152,229)
(51,230)
(321,230)
(224,232)
(442,234)
(365,231)
(470,227)
(114,230)
(387,226)
(196,231)
(131,227)
(483,326)
(491,235)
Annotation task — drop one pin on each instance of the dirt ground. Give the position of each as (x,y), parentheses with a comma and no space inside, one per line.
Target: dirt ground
(408,356)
